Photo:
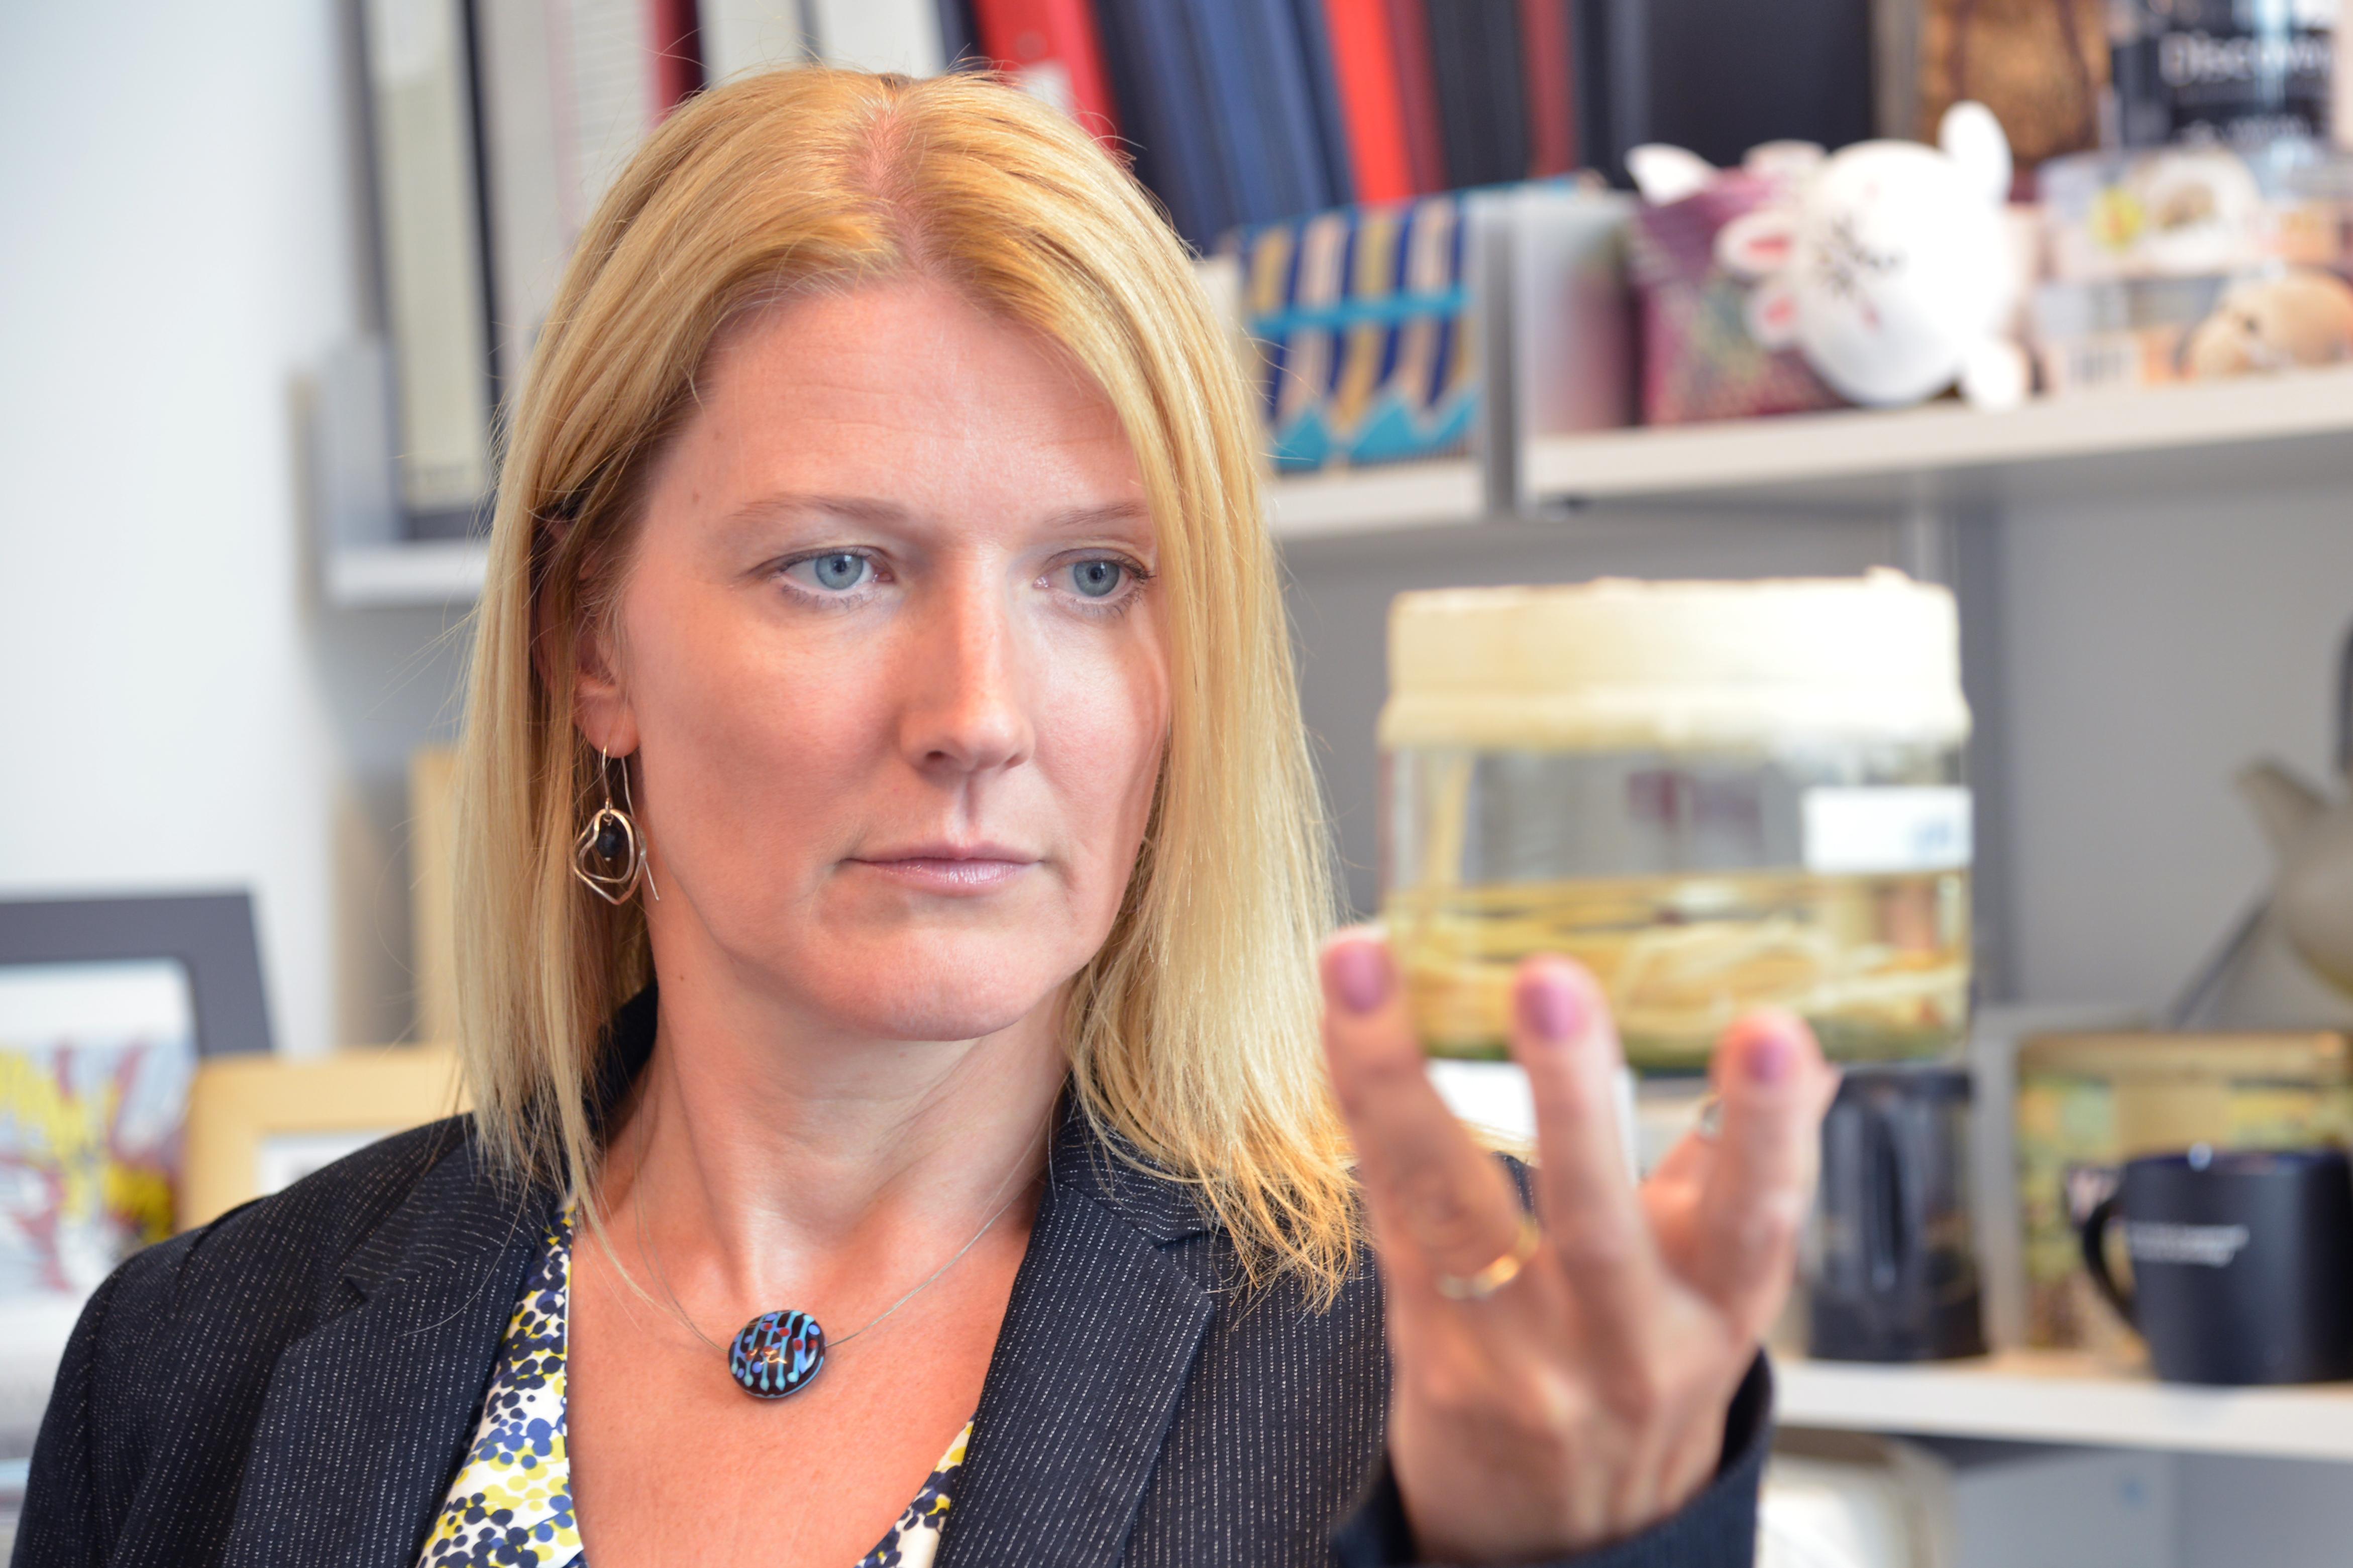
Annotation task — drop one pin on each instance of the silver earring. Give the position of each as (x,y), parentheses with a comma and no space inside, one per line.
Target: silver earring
(609,855)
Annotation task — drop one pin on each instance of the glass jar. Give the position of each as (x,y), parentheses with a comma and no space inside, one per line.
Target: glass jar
(1716,795)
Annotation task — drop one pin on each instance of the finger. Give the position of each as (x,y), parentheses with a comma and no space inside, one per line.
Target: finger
(1562,1034)
(1775,1086)
(1431,1189)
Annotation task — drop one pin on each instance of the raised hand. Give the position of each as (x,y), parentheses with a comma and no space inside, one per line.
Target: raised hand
(1565,1384)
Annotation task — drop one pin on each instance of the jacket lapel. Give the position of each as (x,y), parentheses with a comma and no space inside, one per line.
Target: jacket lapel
(367,1415)
(1097,1344)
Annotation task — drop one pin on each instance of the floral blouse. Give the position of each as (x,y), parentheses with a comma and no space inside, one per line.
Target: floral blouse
(510,1504)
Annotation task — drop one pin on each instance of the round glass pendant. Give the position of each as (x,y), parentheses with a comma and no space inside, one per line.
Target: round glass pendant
(778,1353)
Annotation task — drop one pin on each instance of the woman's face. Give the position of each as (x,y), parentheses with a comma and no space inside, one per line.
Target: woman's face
(891,663)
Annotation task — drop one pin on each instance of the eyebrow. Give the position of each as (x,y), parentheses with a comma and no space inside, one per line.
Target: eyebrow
(885,513)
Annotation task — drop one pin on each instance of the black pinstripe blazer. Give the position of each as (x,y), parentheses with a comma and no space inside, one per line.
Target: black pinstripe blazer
(297,1382)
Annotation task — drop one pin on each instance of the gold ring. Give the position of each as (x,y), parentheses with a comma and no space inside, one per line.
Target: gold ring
(1496,1275)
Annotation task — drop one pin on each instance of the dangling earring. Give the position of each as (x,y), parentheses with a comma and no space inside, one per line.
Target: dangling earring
(609,855)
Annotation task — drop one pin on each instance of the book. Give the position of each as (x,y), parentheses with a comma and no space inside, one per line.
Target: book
(1548,51)
(1474,54)
(959,35)
(1279,75)
(1324,96)
(1365,64)
(1052,50)
(437,307)
(1363,320)
(1247,157)
(1719,77)
(1366,71)
(900,36)
(570,92)
(1417,93)
(1156,75)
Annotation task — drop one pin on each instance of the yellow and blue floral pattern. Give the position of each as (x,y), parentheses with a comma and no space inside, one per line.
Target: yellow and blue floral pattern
(510,1504)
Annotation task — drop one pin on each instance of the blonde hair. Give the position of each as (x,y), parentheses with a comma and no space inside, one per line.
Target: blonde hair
(1191,1034)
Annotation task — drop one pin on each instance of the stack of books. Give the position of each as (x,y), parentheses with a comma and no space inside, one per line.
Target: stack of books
(1242,112)
(497,126)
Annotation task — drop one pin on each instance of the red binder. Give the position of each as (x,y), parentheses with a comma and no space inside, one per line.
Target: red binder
(1417,88)
(1364,59)
(1546,48)
(1050,48)
(677,57)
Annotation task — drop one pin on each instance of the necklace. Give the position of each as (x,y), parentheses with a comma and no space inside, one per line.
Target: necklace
(779,1353)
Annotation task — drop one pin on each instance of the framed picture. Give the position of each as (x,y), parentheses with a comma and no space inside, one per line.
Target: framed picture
(261,1123)
(105,1008)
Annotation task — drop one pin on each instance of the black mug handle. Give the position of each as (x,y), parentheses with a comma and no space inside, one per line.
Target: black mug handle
(2095,1257)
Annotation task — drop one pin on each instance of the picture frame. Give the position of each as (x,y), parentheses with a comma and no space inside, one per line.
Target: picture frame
(260,1124)
(107,1007)
(211,935)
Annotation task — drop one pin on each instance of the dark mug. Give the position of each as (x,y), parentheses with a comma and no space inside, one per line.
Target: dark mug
(2242,1264)
(1891,1271)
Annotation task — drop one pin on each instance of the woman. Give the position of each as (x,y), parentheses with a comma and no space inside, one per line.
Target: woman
(890,886)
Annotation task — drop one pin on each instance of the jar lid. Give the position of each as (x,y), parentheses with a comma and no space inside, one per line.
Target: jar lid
(1620,665)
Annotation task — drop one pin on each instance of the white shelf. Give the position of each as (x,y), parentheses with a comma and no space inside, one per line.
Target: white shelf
(427,573)
(2268,432)
(2055,1397)
(1377,500)
(2222,439)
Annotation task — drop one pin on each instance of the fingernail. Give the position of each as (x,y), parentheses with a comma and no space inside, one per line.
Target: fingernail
(1361,974)
(1550,1008)
(1771,1056)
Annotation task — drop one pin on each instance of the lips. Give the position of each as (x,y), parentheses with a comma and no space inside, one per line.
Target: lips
(950,868)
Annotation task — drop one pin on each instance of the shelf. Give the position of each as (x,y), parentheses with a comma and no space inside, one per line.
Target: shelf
(1372,500)
(2040,1396)
(2275,432)
(2219,439)
(447,573)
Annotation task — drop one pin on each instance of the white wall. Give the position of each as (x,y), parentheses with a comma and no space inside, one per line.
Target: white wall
(2151,650)
(179,244)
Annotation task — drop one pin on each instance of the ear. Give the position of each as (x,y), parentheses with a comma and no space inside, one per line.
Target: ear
(1772,314)
(1791,160)
(1972,137)
(1758,244)
(1995,375)
(1664,174)
(600,704)
(590,669)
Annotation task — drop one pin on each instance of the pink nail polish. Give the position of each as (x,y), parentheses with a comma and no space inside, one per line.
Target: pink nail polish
(1550,1008)
(1361,975)
(1771,1058)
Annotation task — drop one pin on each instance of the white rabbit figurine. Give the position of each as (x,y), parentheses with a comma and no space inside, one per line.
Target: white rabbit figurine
(1888,267)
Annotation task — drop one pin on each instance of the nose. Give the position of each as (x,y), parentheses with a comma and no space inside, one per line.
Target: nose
(965,710)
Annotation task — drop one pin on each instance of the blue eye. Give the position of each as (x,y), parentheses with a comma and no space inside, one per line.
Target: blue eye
(1097,579)
(837,572)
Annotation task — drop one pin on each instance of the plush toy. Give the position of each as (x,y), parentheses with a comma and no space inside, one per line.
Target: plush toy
(1889,267)
(2297,318)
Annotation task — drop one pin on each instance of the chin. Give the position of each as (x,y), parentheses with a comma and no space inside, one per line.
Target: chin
(951,988)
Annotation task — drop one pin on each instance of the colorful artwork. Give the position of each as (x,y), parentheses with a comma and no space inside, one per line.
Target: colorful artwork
(1362,324)
(95,1064)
